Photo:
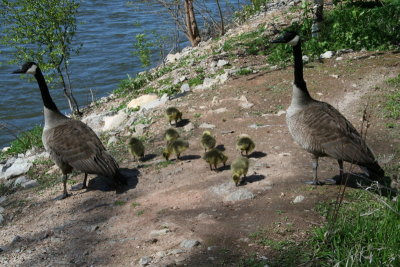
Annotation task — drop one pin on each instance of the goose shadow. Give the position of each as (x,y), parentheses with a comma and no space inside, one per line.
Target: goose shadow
(223,168)
(253,178)
(257,154)
(148,157)
(220,147)
(190,157)
(105,184)
(182,123)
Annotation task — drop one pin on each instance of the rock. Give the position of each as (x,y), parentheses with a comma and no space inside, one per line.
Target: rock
(215,100)
(179,261)
(20,180)
(185,88)
(95,121)
(155,233)
(327,54)
(1,219)
(223,189)
(177,251)
(16,239)
(280,112)
(240,194)
(142,100)
(223,77)
(145,260)
(334,76)
(5,149)
(189,243)
(3,199)
(305,58)
(171,58)
(112,140)
(139,128)
(203,216)
(246,105)
(222,63)
(113,122)
(339,58)
(205,125)
(188,127)
(30,184)
(161,254)
(211,248)
(298,199)
(220,110)
(1,210)
(156,103)
(19,167)
(209,82)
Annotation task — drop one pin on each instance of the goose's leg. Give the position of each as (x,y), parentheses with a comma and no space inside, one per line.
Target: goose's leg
(340,179)
(65,193)
(80,186)
(315,172)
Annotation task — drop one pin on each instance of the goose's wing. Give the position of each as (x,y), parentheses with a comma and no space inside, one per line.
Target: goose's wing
(336,136)
(76,144)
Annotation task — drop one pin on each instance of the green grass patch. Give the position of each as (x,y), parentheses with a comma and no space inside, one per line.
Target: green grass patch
(366,233)
(244,71)
(196,80)
(119,203)
(24,142)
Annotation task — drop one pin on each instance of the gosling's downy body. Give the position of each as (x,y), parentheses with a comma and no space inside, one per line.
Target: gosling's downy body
(171,134)
(136,148)
(244,143)
(71,143)
(322,130)
(207,141)
(175,147)
(173,114)
(239,167)
(215,157)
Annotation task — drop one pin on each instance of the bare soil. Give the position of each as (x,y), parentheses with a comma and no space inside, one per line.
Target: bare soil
(99,228)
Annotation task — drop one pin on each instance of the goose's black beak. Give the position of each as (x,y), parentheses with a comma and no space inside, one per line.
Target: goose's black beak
(17,71)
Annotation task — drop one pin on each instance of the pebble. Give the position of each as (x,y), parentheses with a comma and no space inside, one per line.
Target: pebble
(240,194)
(1,219)
(207,126)
(189,243)
(145,260)
(298,199)
(327,54)
(1,209)
(30,184)
(222,63)
(159,232)
(177,251)
(188,127)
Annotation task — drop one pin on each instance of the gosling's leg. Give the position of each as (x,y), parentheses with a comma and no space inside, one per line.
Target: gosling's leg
(65,193)
(315,172)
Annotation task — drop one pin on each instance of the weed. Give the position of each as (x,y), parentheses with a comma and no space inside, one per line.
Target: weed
(196,80)
(119,203)
(244,71)
(140,212)
(197,115)
(135,204)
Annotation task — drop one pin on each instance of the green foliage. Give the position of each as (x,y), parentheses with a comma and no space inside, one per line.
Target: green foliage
(374,27)
(254,43)
(41,31)
(244,71)
(119,203)
(25,141)
(196,80)
(250,10)
(143,49)
(392,104)
(364,234)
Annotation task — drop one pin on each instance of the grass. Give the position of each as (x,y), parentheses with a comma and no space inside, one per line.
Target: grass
(244,71)
(39,171)
(119,203)
(392,103)
(24,142)
(364,233)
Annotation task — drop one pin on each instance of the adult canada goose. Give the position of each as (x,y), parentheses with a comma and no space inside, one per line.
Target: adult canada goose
(173,114)
(71,143)
(244,143)
(136,148)
(207,140)
(239,167)
(320,129)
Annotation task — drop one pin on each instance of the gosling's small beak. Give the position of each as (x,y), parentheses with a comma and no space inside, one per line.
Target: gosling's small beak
(17,71)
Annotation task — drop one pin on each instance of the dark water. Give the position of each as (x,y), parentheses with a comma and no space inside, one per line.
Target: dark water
(107,31)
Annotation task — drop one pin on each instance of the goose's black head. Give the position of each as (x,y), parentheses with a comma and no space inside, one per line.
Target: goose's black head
(28,68)
(291,38)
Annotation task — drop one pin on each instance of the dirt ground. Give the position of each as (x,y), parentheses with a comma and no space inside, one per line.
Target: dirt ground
(187,201)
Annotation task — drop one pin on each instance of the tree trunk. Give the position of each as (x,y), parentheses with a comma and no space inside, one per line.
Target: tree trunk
(222,18)
(73,105)
(318,17)
(191,24)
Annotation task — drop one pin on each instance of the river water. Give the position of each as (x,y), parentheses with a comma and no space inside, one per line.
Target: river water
(107,31)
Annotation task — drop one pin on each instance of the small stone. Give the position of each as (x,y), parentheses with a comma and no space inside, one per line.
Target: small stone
(246,105)
(305,58)
(112,140)
(188,127)
(2,199)
(114,121)
(1,219)
(211,248)
(159,232)
(1,210)
(327,54)
(339,58)
(30,184)
(298,199)
(139,128)
(16,239)
(334,76)
(189,243)
(185,88)
(222,63)
(20,180)
(161,254)
(5,149)
(19,167)
(145,260)
(206,126)
(177,251)
(284,154)
(220,110)
(179,260)
(240,194)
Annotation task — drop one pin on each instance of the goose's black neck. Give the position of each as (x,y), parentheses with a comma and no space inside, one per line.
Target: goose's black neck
(44,90)
(298,68)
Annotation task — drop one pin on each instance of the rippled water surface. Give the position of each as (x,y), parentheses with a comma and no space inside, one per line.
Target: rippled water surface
(106,29)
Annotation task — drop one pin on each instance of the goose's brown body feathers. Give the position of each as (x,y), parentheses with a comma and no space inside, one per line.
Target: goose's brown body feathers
(73,144)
